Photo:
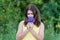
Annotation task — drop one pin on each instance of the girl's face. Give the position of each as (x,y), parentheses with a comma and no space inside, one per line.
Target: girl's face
(29,13)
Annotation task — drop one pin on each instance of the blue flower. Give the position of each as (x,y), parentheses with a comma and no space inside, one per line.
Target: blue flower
(30,19)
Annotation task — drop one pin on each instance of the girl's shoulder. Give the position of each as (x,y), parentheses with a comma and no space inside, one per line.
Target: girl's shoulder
(21,22)
(42,24)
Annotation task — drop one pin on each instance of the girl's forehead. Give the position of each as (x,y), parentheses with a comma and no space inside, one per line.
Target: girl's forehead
(29,11)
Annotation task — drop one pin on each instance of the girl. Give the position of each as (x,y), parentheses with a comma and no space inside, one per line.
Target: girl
(31,28)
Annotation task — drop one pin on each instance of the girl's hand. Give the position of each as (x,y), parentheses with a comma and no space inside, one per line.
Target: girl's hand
(27,27)
(30,26)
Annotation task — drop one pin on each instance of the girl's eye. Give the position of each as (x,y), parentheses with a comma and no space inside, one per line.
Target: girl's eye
(28,14)
(32,13)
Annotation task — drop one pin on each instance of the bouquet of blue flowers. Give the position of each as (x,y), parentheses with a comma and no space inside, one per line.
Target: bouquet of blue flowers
(30,19)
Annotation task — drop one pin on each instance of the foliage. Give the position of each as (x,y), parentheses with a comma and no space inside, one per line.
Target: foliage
(12,12)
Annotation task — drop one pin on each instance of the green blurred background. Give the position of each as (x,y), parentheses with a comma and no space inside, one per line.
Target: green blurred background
(12,12)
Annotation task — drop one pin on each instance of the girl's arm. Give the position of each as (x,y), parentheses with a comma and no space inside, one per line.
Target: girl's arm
(39,36)
(20,34)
